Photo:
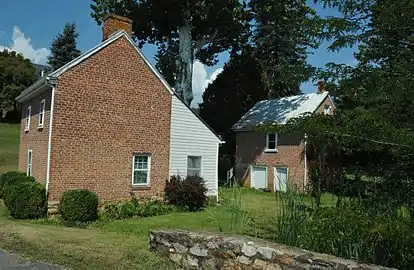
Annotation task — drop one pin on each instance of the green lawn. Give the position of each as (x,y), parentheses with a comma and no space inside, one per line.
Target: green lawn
(123,244)
(9,147)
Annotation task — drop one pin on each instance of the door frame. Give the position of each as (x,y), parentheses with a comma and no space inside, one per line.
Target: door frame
(251,174)
(275,174)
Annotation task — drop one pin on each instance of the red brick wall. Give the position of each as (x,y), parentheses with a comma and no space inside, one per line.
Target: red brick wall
(250,151)
(107,108)
(36,138)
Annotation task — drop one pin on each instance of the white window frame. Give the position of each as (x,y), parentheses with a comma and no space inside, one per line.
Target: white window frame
(28,115)
(201,165)
(29,162)
(267,143)
(42,108)
(148,170)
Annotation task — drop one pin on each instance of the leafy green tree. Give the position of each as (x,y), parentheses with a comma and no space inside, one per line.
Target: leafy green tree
(236,89)
(64,47)
(16,74)
(372,131)
(199,29)
(283,32)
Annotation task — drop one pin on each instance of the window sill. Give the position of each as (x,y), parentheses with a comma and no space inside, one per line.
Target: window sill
(26,130)
(39,127)
(141,187)
(271,150)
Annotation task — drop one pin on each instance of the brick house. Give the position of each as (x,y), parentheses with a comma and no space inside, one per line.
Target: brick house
(270,160)
(107,121)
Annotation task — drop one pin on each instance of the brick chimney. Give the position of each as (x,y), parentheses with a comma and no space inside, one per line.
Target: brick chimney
(321,87)
(113,23)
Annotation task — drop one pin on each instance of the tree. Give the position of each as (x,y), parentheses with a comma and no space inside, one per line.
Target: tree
(199,29)
(63,49)
(372,132)
(231,95)
(16,74)
(284,32)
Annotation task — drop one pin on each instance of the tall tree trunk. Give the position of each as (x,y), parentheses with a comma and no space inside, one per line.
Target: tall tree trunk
(183,85)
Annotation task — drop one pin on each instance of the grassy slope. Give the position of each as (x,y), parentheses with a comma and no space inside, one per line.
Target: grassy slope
(9,147)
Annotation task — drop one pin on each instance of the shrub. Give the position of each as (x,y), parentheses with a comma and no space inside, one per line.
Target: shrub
(26,200)
(190,193)
(79,205)
(135,209)
(12,178)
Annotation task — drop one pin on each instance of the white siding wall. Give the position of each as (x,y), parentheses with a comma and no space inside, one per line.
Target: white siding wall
(190,137)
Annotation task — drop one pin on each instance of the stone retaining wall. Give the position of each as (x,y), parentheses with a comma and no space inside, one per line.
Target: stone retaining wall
(215,251)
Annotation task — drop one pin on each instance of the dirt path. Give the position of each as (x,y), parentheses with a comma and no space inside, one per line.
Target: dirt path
(9,262)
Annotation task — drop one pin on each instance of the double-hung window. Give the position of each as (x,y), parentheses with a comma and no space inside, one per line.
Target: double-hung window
(42,113)
(193,166)
(28,114)
(141,170)
(271,142)
(29,162)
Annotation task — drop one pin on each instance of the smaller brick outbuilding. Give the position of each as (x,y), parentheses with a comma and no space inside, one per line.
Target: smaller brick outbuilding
(270,160)
(108,122)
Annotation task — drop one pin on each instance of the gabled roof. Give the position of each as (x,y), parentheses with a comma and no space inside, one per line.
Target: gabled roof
(279,111)
(40,85)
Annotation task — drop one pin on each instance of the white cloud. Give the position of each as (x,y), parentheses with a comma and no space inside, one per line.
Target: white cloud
(201,80)
(22,44)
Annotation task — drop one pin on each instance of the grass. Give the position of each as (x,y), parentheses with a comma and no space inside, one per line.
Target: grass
(123,244)
(9,147)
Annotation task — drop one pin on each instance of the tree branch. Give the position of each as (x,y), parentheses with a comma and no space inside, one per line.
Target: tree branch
(204,41)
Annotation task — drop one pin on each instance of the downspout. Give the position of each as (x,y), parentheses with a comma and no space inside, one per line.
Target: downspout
(306,165)
(49,143)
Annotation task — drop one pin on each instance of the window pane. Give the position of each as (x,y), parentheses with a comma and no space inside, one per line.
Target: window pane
(193,172)
(271,137)
(140,177)
(194,162)
(141,162)
(271,145)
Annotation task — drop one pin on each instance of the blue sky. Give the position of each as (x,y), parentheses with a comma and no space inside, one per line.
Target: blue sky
(30,30)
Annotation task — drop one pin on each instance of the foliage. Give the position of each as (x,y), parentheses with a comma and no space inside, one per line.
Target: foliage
(231,95)
(26,200)
(64,48)
(382,238)
(79,205)
(283,33)
(190,192)
(291,218)
(16,74)
(12,178)
(134,208)
(200,30)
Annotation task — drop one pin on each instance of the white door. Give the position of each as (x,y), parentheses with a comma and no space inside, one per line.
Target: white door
(259,177)
(281,178)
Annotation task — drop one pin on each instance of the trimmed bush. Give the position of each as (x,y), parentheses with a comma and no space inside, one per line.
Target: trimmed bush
(79,205)
(26,200)
(13,177)
(190,193)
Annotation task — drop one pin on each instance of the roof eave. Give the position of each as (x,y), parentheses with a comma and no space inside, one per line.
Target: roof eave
(33,90)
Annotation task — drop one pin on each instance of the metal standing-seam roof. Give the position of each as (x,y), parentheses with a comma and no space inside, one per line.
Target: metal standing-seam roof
(279,111)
